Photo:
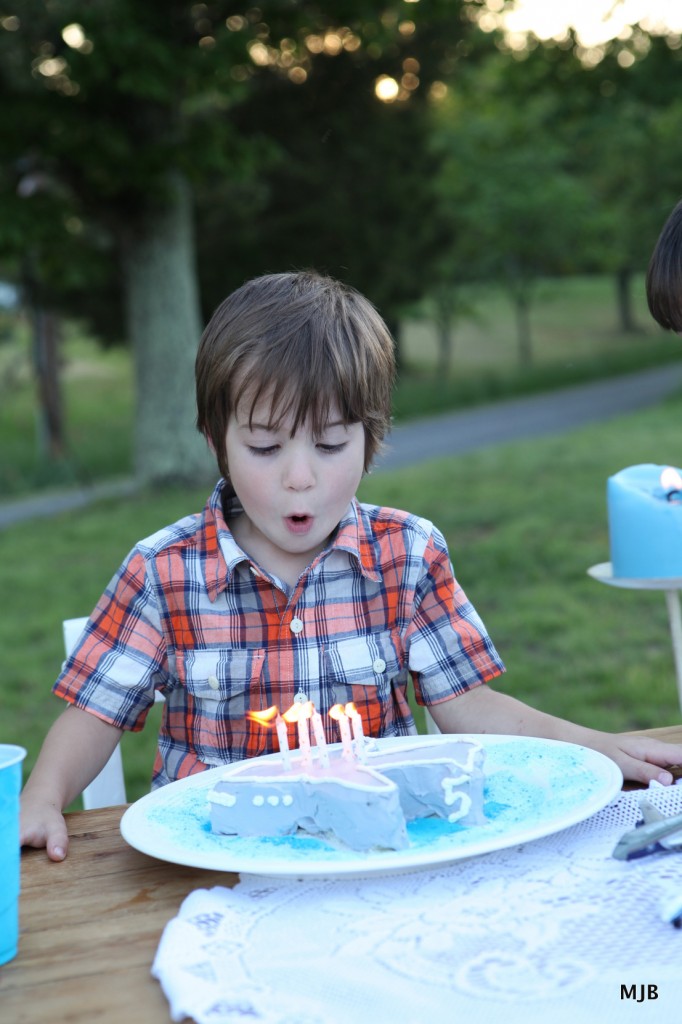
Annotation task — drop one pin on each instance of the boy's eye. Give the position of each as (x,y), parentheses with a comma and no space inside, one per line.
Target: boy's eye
(269,449)
(330,449)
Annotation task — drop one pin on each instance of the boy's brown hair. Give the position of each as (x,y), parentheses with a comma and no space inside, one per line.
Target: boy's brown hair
(308,342)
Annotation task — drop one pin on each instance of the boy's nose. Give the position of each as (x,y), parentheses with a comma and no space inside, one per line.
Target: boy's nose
(299,474)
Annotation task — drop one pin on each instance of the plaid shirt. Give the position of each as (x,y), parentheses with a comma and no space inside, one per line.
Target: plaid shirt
(190,614)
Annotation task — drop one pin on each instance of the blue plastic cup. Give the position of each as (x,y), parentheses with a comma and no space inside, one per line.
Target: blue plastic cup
(10,852)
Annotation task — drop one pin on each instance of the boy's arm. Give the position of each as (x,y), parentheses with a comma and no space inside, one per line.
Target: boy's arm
(75,750)
(482,710)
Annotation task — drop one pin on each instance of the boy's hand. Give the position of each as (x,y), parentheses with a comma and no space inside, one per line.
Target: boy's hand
(44,826)
(75,749)
(642,758)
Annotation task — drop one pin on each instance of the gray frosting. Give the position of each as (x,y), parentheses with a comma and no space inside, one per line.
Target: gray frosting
(362,805)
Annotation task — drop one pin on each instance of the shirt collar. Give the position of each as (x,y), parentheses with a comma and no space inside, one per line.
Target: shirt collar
(223,554)
(355,536)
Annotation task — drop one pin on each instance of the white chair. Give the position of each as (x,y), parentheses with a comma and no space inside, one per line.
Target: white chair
(108,787)
(431,727)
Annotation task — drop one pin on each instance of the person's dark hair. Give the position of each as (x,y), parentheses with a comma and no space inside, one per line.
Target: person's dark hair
(664,275)
(307,342)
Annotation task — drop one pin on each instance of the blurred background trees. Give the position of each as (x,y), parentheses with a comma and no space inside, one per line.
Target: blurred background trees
(154,156)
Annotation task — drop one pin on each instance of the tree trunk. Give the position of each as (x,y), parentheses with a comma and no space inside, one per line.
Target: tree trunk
(523,333)
(164,325)
(46,366)
(444,321)
(50,439)
(626,316)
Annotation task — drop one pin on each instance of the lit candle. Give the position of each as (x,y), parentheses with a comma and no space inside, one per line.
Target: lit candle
(265,718)
(339,715)
(300,713)
(318,732)
(358,733)
(283,740)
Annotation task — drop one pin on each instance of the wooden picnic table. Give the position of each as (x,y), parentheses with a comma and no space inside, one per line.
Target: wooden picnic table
(90,926)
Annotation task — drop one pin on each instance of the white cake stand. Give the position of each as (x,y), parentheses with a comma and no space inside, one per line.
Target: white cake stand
(671,588)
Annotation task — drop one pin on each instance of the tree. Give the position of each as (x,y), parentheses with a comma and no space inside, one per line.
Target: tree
(516,213)
(100,108)
(347,188)
(616,114)
(130,108)
(635,155)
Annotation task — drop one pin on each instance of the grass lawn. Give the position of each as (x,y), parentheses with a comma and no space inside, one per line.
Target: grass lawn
(572,319)
(97,389)
(574,338)
(524,521)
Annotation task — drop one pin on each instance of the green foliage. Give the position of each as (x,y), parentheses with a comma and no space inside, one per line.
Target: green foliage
(97,117)
(536,164)
(610,115)
(346,190)
(548,165)
(551,163)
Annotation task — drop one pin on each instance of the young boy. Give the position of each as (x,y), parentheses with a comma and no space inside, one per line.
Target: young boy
(285,586)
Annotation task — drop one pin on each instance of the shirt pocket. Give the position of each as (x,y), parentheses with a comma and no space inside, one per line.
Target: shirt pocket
(363,669)
(222,686)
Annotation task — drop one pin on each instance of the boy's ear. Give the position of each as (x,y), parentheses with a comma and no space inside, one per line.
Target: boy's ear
(210,444)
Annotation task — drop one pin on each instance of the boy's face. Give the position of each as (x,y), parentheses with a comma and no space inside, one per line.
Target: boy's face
(294,490)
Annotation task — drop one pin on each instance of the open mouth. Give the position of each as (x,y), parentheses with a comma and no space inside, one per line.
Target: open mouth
(299,523)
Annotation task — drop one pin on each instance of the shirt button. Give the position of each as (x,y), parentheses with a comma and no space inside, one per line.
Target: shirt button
(255,571)
(379,665)
(213,682)
(296,625)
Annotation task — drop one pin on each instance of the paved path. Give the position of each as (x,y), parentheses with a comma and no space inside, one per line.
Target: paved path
(549,413)
(447,434)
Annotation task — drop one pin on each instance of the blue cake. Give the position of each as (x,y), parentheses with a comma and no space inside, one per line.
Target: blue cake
(362,804)
(645,522)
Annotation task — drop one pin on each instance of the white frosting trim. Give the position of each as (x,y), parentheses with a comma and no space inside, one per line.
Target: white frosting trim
(226,799)
(462,810)
(285,779)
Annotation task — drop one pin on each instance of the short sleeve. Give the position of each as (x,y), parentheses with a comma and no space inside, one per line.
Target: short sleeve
(449,650)
(121,657)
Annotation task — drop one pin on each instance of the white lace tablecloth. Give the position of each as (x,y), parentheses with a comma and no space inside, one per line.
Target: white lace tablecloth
(547,931)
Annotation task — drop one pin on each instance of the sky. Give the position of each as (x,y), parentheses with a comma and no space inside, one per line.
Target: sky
(595,21)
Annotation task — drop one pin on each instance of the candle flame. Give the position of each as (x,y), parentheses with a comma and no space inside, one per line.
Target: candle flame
(297,711)
(671,479)
(351,708)
(264,717)
(336,712)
